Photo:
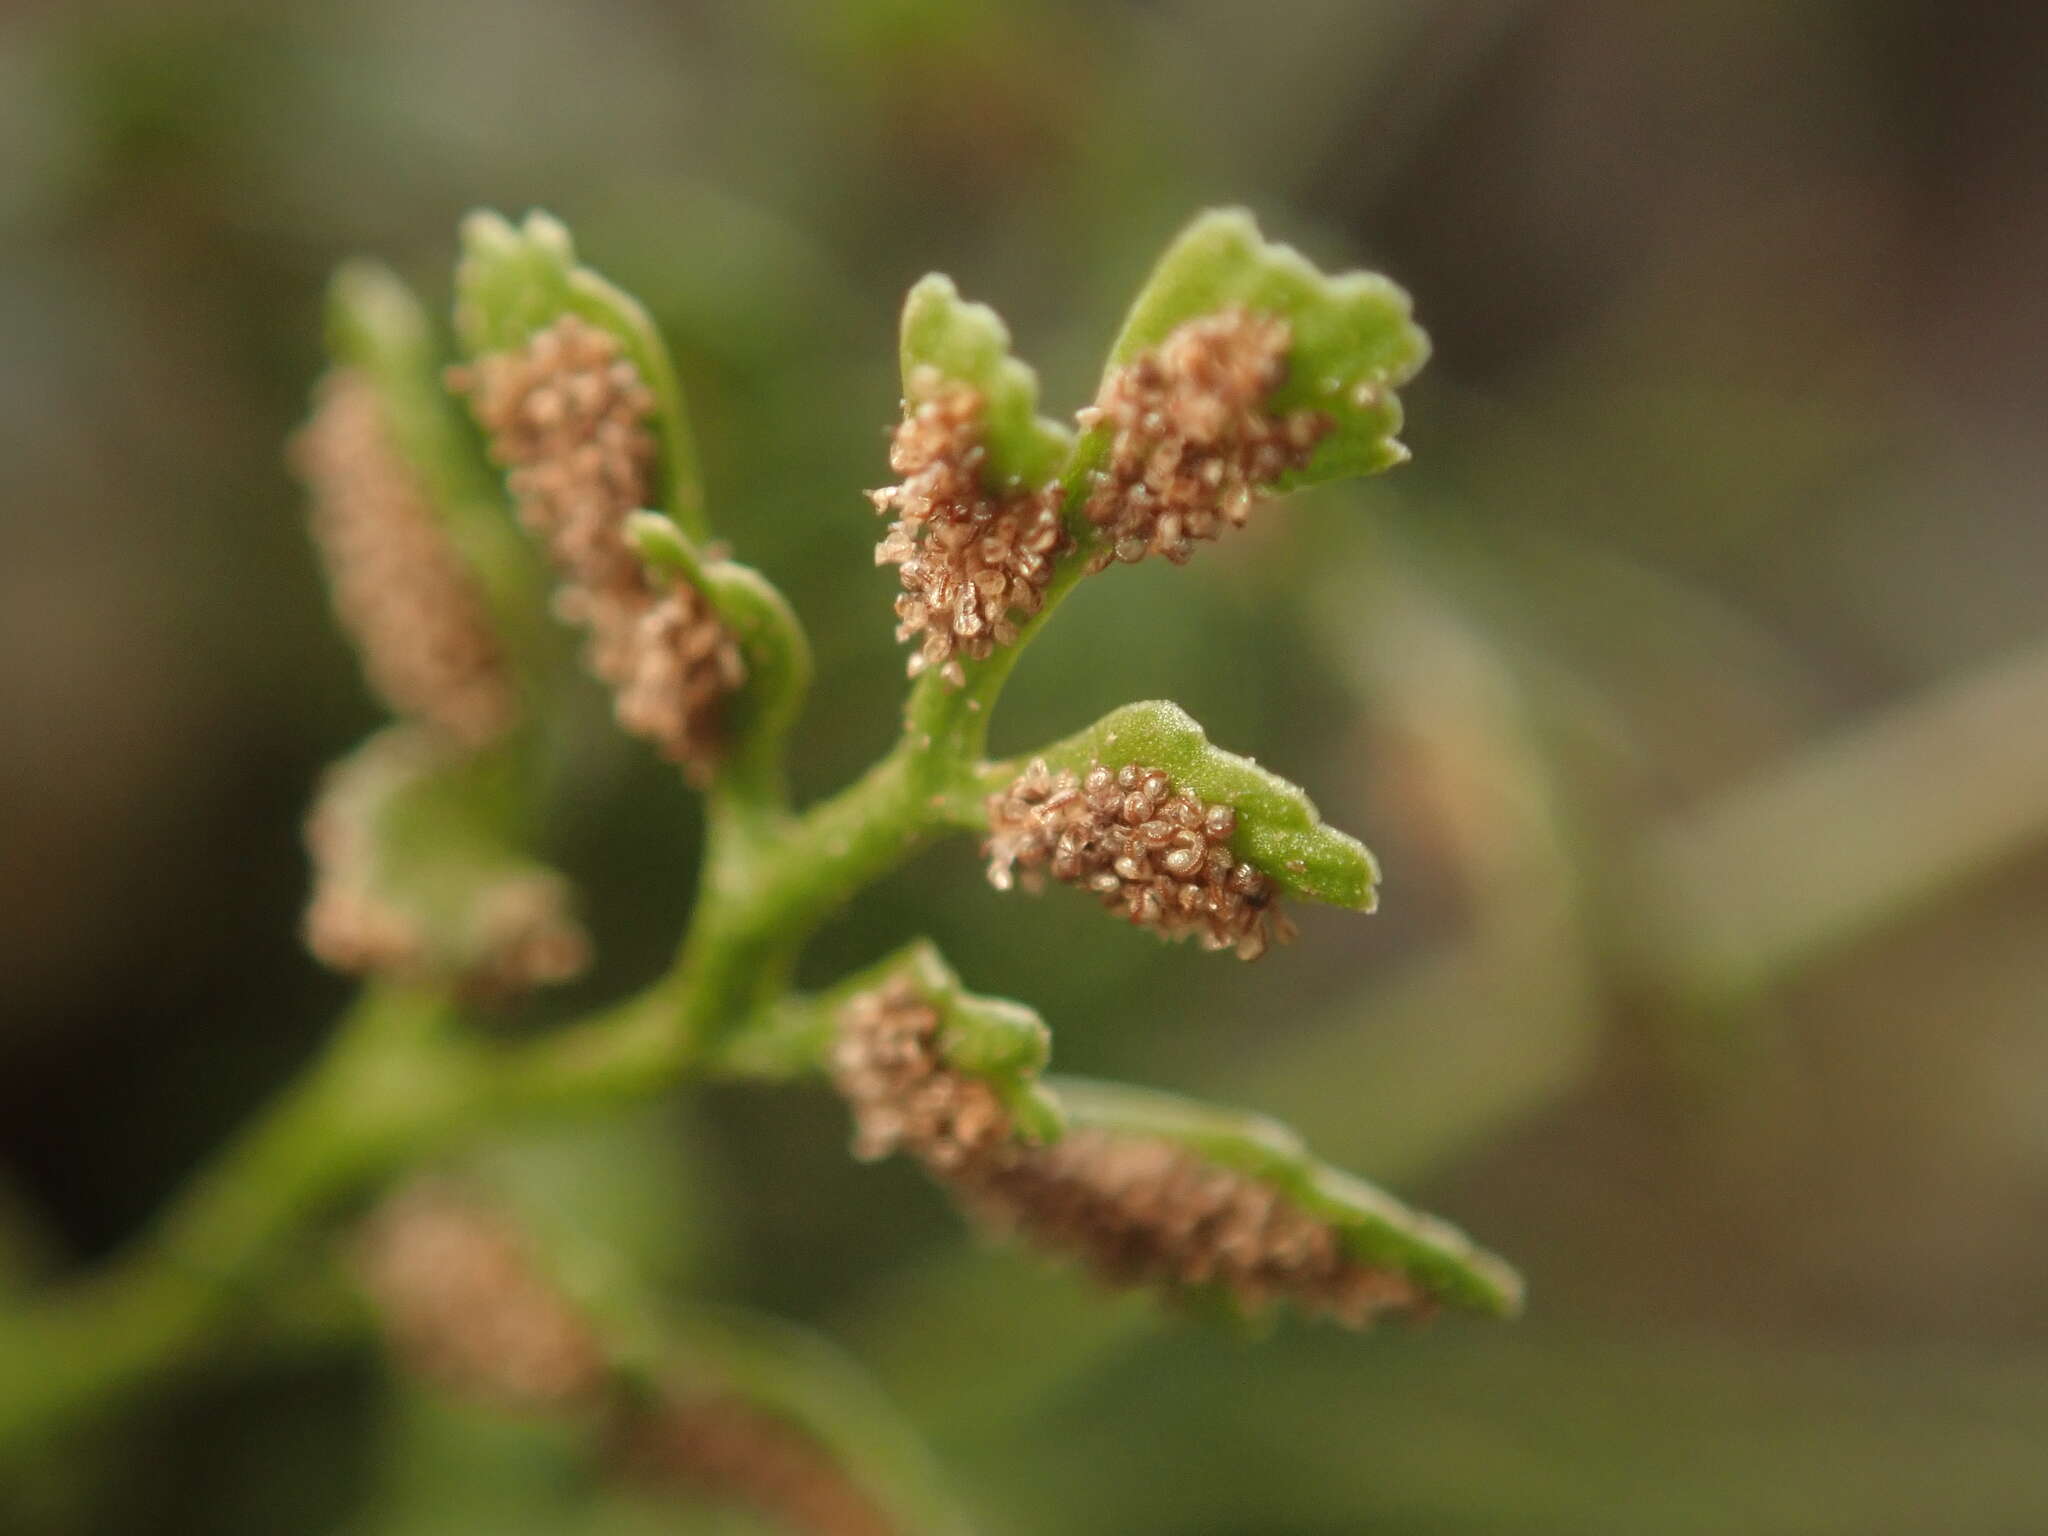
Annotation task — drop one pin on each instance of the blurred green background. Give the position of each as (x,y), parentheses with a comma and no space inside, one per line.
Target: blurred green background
(1692,685)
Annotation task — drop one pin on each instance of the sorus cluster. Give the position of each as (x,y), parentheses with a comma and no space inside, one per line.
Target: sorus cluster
(719,1446)
(465,1302)
(569,417)
(465,1305)
(1144,1212)
(400,588)
(1159,856)
(520,930)
(1192,443)
(972,560)
(886,1064)
(1136,1210)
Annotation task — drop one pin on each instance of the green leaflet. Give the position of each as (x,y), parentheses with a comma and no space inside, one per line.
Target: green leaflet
(428,837)
(1008,1046)
(963,343)
(1375,1227)
(514,281)
(1354,342)
(376,326)
(1278,828)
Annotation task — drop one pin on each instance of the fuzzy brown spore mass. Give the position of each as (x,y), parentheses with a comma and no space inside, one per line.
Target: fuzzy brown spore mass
(1136,1210)
(520,933)
(887,1066)
(717,1446)
(346,927)
(1192,444)
(399,586)
(464,1304)
(972,561)
(569,417)
(1158,856)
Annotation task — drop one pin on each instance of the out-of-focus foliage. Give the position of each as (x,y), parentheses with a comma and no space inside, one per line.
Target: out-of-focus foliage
(1690,686)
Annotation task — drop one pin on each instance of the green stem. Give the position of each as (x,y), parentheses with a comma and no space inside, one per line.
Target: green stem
(397,1084)
(764,896)
(385,1082)
(957,718)
(793,1038)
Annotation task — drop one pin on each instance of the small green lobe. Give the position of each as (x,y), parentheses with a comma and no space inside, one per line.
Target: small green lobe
(1004,1043)
(948,341)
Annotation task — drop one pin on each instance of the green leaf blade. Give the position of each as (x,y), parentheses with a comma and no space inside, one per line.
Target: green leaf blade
(1354,339)
(376,326)
(516,280)
(1279,829)
(1375,1227)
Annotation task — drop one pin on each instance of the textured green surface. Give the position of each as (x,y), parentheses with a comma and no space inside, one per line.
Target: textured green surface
(1353,345)
(1007,1045)
(963,343)
(1278,828)
(1004,1043)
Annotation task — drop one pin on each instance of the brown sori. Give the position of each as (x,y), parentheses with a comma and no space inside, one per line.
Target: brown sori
(1192,443)
(973,562)
(522,933)
(458,1293)
(886,1064)
(1136,1210)
(399,586)
(569,416)
(1159,856)
(718,1446)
